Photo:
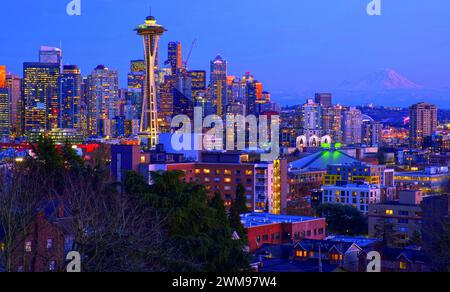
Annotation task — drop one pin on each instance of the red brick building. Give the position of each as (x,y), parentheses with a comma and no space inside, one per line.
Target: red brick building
(265,228)
(42,246)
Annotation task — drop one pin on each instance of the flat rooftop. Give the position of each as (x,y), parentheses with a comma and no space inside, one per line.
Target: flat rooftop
(261,219)
(358,240)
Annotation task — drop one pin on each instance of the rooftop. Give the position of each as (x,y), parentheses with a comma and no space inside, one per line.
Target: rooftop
(360,241)
(261,219)
(321,160)
(353,186)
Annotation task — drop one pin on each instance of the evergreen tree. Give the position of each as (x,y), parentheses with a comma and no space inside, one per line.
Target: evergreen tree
(196,224)
(240,203)
(219,205)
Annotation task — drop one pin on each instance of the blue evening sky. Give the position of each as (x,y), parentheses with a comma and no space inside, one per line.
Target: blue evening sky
(289,45)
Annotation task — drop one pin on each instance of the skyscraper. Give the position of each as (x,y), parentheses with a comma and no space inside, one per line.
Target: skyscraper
(103,97)
(332,122)
(2,76)
(70,98)
(40,96)
(371,132)
(150,31)
(4,113)
(352,126)
(423,123)
(136,79)
(311,115)
(218,86)
(5,105)
(324,99)
(175,57)
(50,55)
(198,82)
(14,85)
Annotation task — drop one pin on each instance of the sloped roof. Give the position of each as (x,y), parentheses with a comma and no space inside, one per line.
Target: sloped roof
(394,254)
(325,245)
(321,160)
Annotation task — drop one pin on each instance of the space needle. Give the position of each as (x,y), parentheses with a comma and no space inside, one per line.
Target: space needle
(148,131)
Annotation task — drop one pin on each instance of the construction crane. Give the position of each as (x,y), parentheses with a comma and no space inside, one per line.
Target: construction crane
(185,63)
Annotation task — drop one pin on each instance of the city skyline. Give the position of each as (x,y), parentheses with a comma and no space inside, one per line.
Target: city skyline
(303,61)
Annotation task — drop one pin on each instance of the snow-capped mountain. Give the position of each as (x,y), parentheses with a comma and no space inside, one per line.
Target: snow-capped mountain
(386,79)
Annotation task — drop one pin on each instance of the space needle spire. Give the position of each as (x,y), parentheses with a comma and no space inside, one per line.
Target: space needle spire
(150,32)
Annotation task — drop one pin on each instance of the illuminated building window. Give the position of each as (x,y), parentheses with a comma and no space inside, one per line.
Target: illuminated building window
(227,180)
(227,172)
(197,171)
(28,246)
(49,243)
(336,257)
(390,212)
(249,172)
(403,266)
(207,171)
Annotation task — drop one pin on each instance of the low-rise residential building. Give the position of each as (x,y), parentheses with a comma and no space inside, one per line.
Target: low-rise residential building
(360,196)
(303,182)
(358,172)
(332,255)
(264,228)
(404,216)
(43,245)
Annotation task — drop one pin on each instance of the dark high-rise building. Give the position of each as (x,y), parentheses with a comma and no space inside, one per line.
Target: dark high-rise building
(5,124)
(198,82)
(135,94)
(182,105)
(166,102)
(70,98)
(218,84)
(423,123)
(175,57)
(324,99)
(40,95)
(50,55)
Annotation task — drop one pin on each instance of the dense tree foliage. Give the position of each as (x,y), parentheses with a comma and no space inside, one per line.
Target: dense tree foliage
(113,231)
(343,219)
(197,225)
(438,248)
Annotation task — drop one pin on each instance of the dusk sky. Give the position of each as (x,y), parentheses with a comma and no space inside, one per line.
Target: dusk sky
(289,45)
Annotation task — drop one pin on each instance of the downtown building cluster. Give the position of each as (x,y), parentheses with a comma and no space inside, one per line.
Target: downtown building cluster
(52,97)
